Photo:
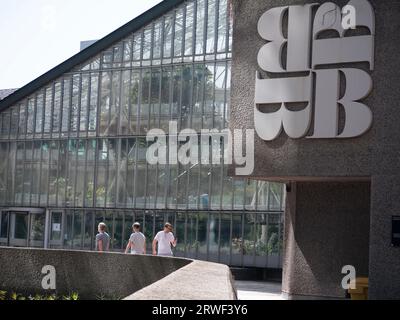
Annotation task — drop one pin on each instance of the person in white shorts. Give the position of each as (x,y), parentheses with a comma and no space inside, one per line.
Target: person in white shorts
(165,239)
(137,241)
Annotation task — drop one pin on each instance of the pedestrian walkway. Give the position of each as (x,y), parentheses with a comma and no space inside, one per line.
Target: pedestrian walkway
(258,290)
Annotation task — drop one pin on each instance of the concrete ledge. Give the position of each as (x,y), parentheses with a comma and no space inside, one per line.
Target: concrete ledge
(90,274)
(197,281)
(287,296)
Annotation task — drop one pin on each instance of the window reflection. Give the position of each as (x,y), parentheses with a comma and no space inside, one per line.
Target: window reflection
(129,220)
(189,29)
(55,225)
(44,174)
(225,238)
(180,233)
(191,240)
(147,43)
(53,174)
(37,225)
(3,171)
(47,109)
(57,108)
(88,238)
(178,33)
(77,229)
(202,233)
(118,230)
(214,236)
(199,46)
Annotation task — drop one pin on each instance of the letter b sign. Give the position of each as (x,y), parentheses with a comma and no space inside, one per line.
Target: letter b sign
(320,89)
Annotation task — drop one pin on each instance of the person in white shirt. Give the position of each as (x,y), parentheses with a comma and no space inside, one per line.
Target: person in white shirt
(164,239)
(137,241)
(102,238)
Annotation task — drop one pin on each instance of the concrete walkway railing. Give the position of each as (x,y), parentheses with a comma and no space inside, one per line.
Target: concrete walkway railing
(198,280)
(113,275)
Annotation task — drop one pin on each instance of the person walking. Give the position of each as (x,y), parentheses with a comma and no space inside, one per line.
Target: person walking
(137,241)
(102,238)
(164,239)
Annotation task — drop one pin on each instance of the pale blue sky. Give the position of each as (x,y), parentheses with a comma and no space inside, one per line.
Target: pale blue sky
(37,35)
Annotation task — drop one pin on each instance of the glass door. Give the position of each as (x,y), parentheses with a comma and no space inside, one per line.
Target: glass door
(22,227)
(36,230)
(4,227)
(19,226)
(56,228)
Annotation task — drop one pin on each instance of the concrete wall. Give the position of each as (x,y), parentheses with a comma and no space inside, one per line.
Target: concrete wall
(91,274)
(326,228)
(384,264)
(302,159)
(197,281)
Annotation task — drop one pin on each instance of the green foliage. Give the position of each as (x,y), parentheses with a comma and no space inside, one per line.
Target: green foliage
(73,296)
(104,297)
(101,297)
(247,247)
(101,192)
(90,191)
(195,245)
(14,296)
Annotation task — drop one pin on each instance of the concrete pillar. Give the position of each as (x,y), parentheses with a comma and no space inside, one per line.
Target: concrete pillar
(384,264)
(326,228)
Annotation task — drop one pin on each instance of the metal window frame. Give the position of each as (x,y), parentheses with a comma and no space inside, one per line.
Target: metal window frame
(56,134)
(16,108)
(48,172)
(85,179)
(151,215)
(24,105)
(53,86)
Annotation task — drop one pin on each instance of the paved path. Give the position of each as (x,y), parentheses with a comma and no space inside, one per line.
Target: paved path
(257,290)
(199,280)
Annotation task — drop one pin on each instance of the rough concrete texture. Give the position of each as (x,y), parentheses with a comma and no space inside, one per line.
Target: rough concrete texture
(373,156)
(326,228)
(384,265)
(300,159)
(91,274)
(197,281)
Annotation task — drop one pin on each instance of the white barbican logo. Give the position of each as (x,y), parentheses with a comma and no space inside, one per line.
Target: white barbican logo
(309,50)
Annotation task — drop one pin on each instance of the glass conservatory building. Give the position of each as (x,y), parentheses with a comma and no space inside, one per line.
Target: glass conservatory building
(73,145)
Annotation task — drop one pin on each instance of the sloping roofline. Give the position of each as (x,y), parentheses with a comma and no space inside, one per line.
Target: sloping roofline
(122,32)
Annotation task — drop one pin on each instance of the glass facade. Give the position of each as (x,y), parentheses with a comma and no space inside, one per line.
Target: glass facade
(77,147)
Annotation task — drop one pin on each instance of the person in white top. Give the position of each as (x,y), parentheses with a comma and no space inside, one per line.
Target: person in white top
(137,241)
(164,239)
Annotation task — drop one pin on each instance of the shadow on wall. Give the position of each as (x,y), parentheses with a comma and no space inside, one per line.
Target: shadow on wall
(90,274)
(331,222)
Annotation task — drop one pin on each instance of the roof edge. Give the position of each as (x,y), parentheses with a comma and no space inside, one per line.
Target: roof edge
(102,44)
